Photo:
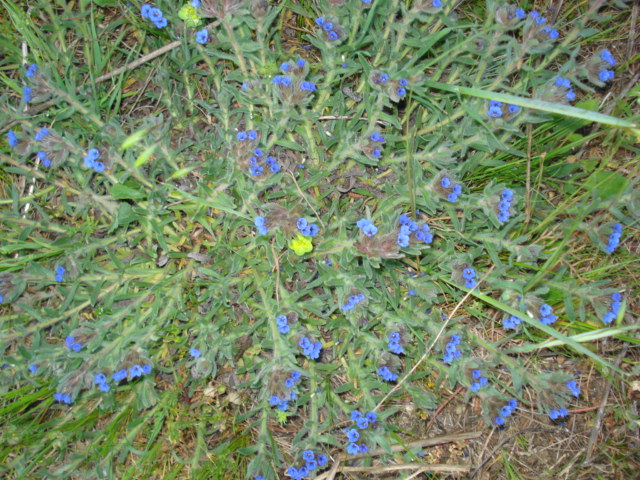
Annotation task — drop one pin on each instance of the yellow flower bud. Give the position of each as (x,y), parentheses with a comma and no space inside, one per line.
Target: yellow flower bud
(190,16)
(301,245)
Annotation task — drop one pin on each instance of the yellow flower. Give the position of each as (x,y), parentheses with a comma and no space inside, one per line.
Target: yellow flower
(190,16)
(301,245)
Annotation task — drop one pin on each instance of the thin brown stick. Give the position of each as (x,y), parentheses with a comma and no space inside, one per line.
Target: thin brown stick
(441,408)
(444,468)
(146,58)
(505,440)
(425,442)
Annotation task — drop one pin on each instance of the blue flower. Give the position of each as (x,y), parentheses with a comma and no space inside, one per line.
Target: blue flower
(99,378)
(512,322)
(283,324)
(32,70)
(241,136)
(194,352)
(104,387)
(11,138)
(332,36)
(494,111)
(383,78)
(202,36)
(353,449)
(319,21)
(554,414)
(146,369)
(376,137)
(328,26)
(607,57)
(395,347)
(72,344)
(295,375)
(145,11)
(436,3)
(401,92)
(362,423)
(403,82)
(352,435)
(573,386)
(387,374)
(499,421)
(283,80)
(606,75)
(119,375)
(403,240)
(469,273)
(563,82)
(513,109)
(445,182)
(363,448)
(614,238)
(196,4)
(371,417)
(136,371)
(301,223)
(300,62)
(274,400)
(33,369)
(41,134)
(308,86)
(308,455)
(311,465)
(62,398)
(322,460)
(26,93)
(520,13)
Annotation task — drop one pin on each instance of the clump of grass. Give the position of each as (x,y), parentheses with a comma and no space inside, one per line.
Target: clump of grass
(237,259)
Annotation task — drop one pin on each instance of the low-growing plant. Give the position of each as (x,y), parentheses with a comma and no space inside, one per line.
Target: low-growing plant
(312,220)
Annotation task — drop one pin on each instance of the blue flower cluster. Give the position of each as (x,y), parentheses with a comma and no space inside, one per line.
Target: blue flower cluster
(362,422)
(41,134)
(283,324)
(62,398)
(512,322)
(254,163)
(27,91)
(386,374)
(307,229)
(309,348)
(495,109)
(100,379)
(546,314)
(194,352)
(375,145)
(448,186)
(606,74)
(505,411)
(202,36)
(71,343)
(353,301)
(60,271)
(39,137)
(407,227)
(33,69)
(479,380)
(250,135)
(451,350)
(573,386)
(153,14)
(552,33)
(328,27)
(261,224)
(135,371)
(12,138)
(91,160)
(401,90)
(616,303)
(504,205)
(312,461)
(469,275)
(565,83)
(614,238)
(366,227)
(394,343)
(555,414)
(290,382)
